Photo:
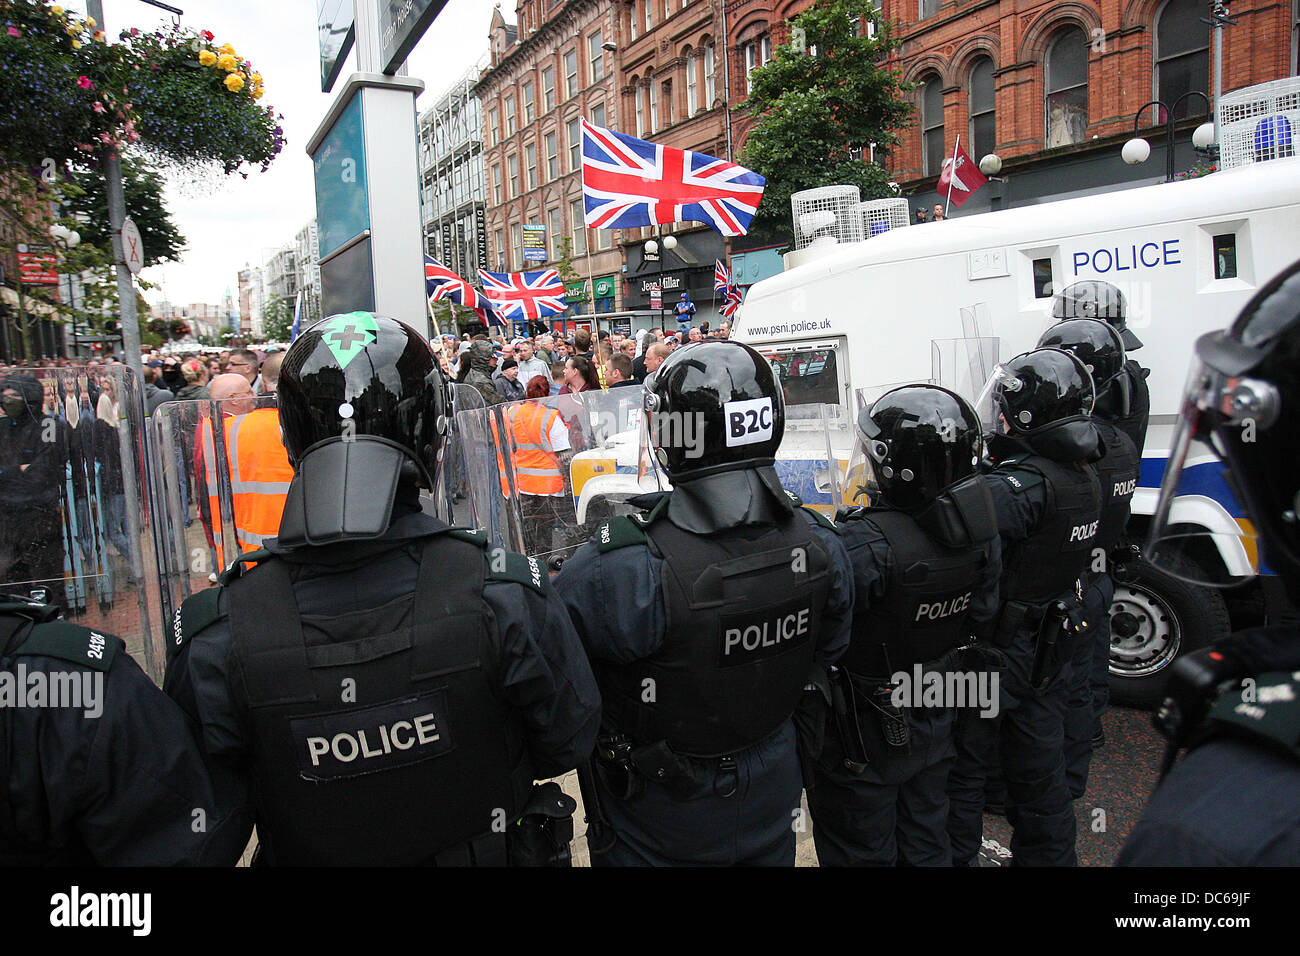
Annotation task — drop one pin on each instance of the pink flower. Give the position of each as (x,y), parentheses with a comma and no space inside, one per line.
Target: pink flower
(13,32)
(84,82)
(97,106)
(104,137)
(133,136)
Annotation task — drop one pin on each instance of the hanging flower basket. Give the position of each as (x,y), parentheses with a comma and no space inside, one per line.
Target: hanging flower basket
(173,94)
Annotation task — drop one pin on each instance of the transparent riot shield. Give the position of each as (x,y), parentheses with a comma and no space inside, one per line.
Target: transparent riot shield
(965,365)
(543,473)
(220,477)
(813,458)
(73,520)
(450,500)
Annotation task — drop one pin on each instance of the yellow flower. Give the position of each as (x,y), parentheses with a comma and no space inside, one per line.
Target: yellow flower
(227,49)
(256,79)
(235,82)
(57,11)
(76,45)
(207,57)
(226,62)
(90,21)
(257,92)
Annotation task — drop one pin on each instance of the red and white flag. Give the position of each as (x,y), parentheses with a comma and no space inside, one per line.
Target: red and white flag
(960,177)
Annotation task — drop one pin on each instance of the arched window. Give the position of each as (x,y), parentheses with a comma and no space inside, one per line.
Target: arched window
(1066,104)
(983,131)
(640,110)
(692,85)
(932,146)
(1182,55)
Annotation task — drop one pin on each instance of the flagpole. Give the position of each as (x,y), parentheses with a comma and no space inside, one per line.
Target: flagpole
(591,279)
(433,322)
(952,171)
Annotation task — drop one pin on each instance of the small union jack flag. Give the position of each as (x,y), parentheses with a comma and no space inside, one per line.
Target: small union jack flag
(721,276)
(629,182)
(441,283)
(730,302)
(730,293)
(524,296)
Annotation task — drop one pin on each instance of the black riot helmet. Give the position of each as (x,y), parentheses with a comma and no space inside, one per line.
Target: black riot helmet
(1243,401)
(714,407)
(1094,299)
(1101,350)
(362,403)
(1046,398)
(919,440)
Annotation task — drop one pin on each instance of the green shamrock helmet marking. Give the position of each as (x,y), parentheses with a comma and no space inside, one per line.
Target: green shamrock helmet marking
(347,335)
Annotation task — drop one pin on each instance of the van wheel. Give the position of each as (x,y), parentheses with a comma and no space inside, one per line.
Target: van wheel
(1154,618)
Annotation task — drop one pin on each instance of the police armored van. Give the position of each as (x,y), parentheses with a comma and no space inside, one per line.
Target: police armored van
(846,321)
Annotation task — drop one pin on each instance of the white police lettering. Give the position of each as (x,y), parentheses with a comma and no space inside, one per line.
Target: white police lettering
(937,612)
(1013,481)
(96,649)
(604,533)
(1082,532)
(176,627)
(748,421)
(1124,488)
(346,747)
(536,570)
(768,633)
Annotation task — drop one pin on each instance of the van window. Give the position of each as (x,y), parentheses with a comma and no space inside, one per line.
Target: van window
(1225,256)
(1043,288)
(808,377)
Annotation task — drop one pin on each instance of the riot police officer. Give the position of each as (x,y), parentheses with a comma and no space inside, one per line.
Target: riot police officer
(391,687)
(1094,299)
(97,765)
(704,619)
(1100,348)
(925,568)
(1048,504)
(1234,800)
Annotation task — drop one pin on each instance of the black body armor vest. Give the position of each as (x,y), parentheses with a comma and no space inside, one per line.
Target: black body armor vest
(1046,565)
(1117,473)
(927,597)
(743,619)
(1134,424)
(385,750)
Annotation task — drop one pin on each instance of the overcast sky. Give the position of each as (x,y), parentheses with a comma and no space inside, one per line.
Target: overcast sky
(243,221)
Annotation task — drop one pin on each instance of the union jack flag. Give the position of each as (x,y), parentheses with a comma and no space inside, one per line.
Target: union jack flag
(629,182)
(721,276)
(730,293)
(730,302)
(524,296)
(441,283)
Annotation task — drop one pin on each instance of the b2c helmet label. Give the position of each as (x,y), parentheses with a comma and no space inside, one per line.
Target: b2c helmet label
(748,421)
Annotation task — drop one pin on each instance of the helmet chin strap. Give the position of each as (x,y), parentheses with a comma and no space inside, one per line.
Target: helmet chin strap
(343,491)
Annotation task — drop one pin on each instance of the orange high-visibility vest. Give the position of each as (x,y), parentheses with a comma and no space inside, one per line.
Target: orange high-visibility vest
(537,471)
(260,474)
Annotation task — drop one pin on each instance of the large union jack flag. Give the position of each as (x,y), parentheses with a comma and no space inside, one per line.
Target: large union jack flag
(441,283)
(629,182)
(524,296)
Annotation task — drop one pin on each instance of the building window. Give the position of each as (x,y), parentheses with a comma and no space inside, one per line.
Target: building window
(517,247)
(548,88)
(494,126)
(1067,88)
(570,74)
(653,117)
(649,15)
(576,214)
(496,184)
(668,103)
(554,230)
(598,114)
(640,113)
(1182,56)
(757,53)
(709,87)
(514,175)
(932,127)
(983,127)
(596,55)
(692,86)
(575,145)
(631,20)
(552,156)
(529,101)
(530,157)
(927,8)
(499,247)
(510,115)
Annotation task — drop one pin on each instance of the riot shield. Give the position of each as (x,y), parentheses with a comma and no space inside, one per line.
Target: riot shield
(544,472)
(73,520)
(450,500)
(813,458)
(220,477)
(964,365)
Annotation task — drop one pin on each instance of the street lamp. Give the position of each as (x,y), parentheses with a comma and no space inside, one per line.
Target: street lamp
(69,239)
(651,254)
(990,166)
(1137,150)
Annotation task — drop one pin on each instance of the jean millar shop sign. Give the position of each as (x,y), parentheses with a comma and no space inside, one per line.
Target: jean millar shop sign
(697,282)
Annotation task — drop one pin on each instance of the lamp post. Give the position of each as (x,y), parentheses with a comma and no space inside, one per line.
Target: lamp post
(69,239)
(990,166)
(1137,150)
(651,253)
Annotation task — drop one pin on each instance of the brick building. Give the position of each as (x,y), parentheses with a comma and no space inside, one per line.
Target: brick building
(545,74)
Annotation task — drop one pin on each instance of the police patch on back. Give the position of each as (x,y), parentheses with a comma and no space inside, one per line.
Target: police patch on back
(372,739)
(1020,481)
(757,635)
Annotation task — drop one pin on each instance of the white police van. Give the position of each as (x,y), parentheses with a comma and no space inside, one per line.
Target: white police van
(843,323)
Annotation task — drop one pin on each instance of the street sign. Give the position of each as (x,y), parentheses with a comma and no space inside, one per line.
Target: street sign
(132,246)
(37,264)
(534,239)
(337,32)
(656,297)
(401,24)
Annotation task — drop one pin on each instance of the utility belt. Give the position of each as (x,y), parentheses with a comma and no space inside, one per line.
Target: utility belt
(1054,626)
(626,767)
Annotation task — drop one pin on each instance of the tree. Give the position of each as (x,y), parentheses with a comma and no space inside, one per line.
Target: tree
(143,189)
(820,103)
(277,319)
(568,274)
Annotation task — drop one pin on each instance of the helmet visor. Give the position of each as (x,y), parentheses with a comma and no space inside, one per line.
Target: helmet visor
(1200,531)
(987,407)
